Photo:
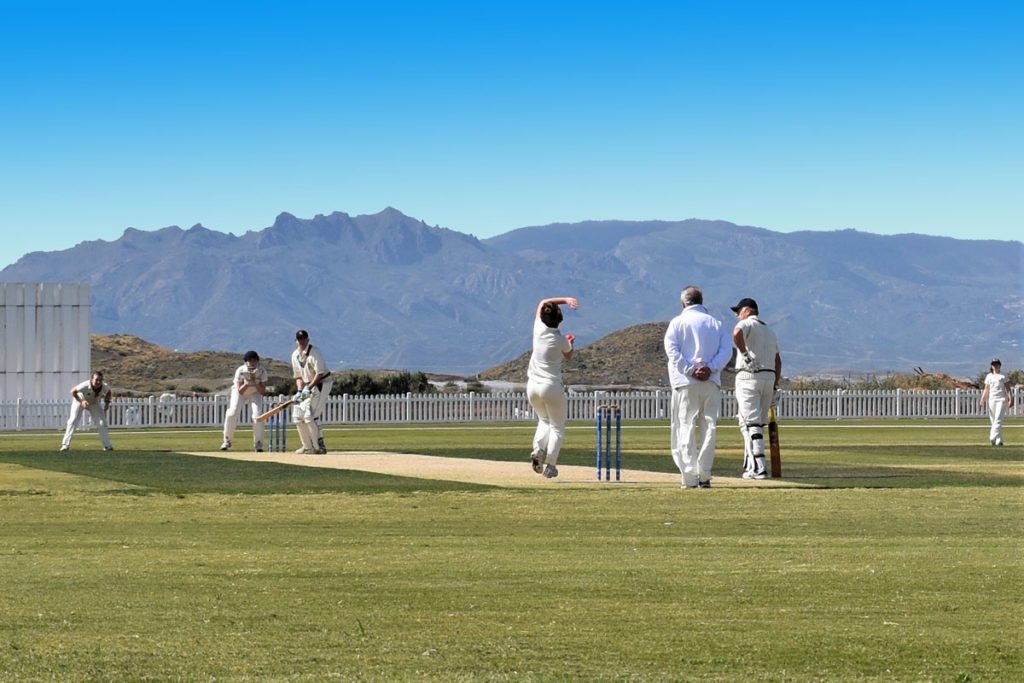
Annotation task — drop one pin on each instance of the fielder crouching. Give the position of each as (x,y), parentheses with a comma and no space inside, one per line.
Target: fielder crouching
(758,370)
(313,381)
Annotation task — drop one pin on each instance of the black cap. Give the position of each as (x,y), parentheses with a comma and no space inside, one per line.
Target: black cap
(745,302)
(995,361)
(302,334)
(251,355)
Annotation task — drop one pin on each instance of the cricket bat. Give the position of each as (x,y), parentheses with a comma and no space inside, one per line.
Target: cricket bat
(277,409)
(773,444)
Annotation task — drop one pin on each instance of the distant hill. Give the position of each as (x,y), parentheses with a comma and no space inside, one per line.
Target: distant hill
(389,291)
(134,365)
(634,355)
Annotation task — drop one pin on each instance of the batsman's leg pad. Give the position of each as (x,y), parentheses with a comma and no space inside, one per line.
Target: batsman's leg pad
(756,440)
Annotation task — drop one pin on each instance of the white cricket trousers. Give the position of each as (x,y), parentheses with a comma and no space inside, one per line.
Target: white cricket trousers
(695,407)
(549,402)
(996,416)
(307,415)
(753,402)
(99,418)
(255,401)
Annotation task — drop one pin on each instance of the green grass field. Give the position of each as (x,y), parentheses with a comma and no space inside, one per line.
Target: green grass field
(896,555)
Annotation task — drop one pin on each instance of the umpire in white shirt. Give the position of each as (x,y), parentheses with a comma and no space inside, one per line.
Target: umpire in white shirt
(697,346)
(758,370)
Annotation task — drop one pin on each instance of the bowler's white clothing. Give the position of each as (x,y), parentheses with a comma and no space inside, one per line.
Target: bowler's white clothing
(545,391)
(257,375)
(695,338)
(93,400)
(998,399)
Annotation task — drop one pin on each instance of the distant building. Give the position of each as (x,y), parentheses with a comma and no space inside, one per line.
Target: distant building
(45,346)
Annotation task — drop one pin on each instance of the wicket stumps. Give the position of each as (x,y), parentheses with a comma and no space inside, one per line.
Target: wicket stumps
(604,418)
(277,432)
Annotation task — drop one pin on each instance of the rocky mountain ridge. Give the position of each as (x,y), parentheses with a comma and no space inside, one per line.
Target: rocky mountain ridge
(389,291)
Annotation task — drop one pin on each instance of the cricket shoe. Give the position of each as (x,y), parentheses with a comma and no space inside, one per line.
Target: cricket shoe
(760,475)
(321,448)
(258,447)
(304,451)
(65,448)
(704,484)
(226,445)
(535,462)
(108,448)
(747,474)
(550,471)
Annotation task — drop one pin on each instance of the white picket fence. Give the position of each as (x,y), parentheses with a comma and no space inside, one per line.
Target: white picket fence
(170,411)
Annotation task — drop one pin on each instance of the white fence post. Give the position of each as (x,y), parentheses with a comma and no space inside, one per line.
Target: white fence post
(20,414)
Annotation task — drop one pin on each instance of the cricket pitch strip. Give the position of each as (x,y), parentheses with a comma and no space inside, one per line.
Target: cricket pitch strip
(489,472)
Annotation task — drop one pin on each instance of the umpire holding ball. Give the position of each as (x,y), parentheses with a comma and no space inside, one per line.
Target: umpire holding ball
(758,370)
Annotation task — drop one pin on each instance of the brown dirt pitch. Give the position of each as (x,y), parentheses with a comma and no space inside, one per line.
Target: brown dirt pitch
(490,472)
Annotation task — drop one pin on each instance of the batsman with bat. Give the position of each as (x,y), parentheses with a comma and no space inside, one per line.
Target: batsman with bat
(313,381)
(758,371)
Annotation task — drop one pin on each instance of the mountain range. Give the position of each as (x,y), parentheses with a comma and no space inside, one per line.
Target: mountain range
(389,291)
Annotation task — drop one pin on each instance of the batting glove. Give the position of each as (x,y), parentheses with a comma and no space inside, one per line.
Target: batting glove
(776,395)
(302,395)
(750,361)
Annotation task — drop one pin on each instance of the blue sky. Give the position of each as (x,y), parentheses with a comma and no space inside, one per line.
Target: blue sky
(884,117)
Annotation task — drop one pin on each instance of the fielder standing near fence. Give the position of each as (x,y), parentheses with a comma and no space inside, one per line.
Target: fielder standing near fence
(313,381)
(544,383)
(999,400)
(87,396)
(697,346)
(250,383)
(758,370)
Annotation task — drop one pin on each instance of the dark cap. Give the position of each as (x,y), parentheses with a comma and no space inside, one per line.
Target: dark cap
(745,302)
(995,361)
(251,355)
(302,334)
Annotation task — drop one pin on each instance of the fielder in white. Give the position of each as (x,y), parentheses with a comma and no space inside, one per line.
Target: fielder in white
(87,396)
(313,381)
(250,383)
(544,383)
(758,369)
(697,346)
(999,399)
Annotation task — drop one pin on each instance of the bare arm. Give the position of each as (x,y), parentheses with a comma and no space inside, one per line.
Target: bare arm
(566,300)
(738,340)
